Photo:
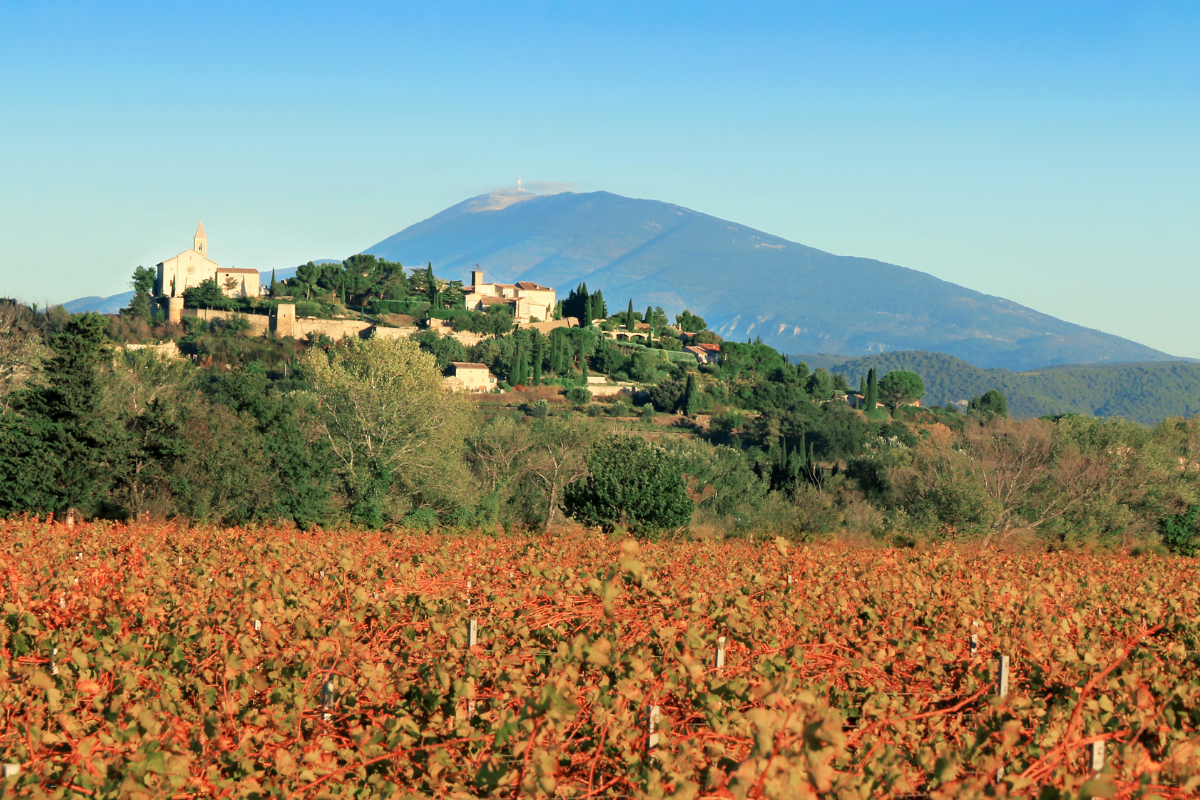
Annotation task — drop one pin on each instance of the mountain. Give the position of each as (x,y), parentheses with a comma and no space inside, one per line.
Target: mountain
(742,281)
(102,305)
(1147,393)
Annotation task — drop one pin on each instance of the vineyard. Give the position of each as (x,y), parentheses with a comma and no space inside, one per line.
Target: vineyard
(150,661)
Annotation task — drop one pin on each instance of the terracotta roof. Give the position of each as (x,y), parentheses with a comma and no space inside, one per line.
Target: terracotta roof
(532,285)
(466,365)
(498,301)
(242,270)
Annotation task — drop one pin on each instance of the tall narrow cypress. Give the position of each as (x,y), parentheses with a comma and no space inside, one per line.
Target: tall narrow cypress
(537,361)
(629,326)
(587,312)
(872,389)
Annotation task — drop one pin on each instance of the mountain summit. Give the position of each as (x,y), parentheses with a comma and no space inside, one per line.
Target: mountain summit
(742,281)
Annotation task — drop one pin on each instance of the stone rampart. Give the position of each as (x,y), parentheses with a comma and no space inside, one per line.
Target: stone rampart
(259,323)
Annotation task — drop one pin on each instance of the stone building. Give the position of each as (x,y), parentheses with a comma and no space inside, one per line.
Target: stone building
(470,377)
(192,267)
(528,300)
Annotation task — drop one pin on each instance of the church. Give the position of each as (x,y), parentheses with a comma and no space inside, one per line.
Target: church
(192,267)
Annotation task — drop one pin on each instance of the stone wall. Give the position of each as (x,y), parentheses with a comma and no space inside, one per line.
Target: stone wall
(259,323)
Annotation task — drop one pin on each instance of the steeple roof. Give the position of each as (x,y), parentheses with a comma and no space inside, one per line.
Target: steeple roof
(200,234)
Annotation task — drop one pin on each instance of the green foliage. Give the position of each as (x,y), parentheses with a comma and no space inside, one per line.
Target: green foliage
(1143,392)
(689,322)
(1179,532)
(901,386)
(206,295)
(631,482)
(579,395)
(444,349)
(394,431)
(991,404)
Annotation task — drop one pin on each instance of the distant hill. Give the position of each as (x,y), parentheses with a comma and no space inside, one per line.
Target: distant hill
(1147,392)
(101,305)
(742,281)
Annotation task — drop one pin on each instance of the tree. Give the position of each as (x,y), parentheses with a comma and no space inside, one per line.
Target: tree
(274,285)
(690,399)
(392,427)
(991,404)
(206,295)
(55,451)
(587,312)
(629,325)
(872,397)
(538,345)
(599,309)
(689,322)
(445,349)
(900,386)
(231,284)
(820,385)
(557,457)
(143,280)
(631,482)
(309,275)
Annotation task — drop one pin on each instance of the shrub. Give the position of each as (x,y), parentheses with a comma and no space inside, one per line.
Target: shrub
(632,482)
(578,395)
(1179,532)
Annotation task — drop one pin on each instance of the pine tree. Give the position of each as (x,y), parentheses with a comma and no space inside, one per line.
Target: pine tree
(629,326)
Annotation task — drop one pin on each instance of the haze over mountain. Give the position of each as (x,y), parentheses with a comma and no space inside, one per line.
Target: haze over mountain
(742,281)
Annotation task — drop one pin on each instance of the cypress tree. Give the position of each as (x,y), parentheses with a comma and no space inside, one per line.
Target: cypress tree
(587,312)
(872,390)
(629,317)
(555,363)
(522,375)
(649,318)
(272,281)
(537,360)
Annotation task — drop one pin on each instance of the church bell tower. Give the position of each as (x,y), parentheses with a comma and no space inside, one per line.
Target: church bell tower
(201,245)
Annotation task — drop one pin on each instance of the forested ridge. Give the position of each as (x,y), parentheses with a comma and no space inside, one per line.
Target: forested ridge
(1146,392)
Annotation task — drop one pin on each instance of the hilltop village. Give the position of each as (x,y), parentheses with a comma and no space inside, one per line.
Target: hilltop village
(366,297)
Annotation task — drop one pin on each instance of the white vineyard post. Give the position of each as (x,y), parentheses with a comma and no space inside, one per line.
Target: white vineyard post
(721,653)
(652,729)
(10,770)
(1002,677)
(472,633)
(53,661)
(1097,756)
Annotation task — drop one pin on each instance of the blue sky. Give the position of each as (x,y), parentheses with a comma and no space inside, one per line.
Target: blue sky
(1044,152)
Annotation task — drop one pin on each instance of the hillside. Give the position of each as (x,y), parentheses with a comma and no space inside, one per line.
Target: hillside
(1147,392)
(743,281)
